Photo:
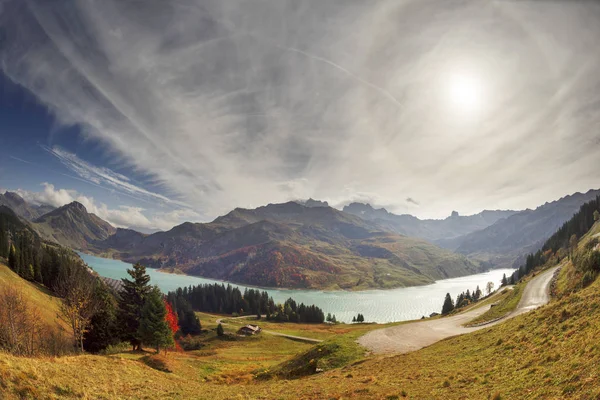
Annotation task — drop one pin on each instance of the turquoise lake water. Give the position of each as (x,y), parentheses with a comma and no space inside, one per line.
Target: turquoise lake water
(376,305)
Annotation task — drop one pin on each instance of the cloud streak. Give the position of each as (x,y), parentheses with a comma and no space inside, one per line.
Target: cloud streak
(103,176)
(237,103)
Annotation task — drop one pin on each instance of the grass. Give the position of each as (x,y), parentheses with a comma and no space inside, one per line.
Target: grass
(38,296)
(549,353)
(506,301)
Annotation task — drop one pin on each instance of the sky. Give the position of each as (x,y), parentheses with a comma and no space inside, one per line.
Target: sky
(153,113)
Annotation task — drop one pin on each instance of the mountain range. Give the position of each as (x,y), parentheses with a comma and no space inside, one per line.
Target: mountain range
(430,229)
(307,244)
(22,208)
(290,245)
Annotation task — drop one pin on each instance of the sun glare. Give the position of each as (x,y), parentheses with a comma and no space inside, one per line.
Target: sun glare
(464,93)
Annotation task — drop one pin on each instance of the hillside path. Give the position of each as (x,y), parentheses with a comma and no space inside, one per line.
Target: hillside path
(299,338)
(414,336)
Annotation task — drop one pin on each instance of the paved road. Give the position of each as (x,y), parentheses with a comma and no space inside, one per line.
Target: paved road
(300,338)
(414,336)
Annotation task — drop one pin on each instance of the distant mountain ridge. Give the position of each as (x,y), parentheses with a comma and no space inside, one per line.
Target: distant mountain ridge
(506,241)
(22,208)
(429,229)
(307,244)
(290,245)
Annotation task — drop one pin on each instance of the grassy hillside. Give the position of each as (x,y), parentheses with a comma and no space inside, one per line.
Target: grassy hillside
(549,353)
(39,297)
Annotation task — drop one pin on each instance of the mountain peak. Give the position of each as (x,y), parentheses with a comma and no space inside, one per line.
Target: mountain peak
(75,205)
(14,197)
(312,203)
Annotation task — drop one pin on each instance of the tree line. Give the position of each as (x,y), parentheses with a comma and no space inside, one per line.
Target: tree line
(563,242)
(226,299)
(464,299)
(97,318)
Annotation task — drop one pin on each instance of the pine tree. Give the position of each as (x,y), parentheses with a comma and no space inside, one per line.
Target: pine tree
(132,300)
(504,281)
(353,319)
(12,258)
(3,239)
(448,305)
(154,329)
(103,325)
(220,331)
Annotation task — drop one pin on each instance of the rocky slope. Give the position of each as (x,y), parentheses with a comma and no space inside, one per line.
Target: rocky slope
(72,226)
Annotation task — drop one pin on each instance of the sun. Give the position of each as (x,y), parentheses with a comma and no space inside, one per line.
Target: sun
(464,92)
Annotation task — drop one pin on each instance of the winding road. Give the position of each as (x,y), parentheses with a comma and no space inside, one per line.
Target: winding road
(414,336)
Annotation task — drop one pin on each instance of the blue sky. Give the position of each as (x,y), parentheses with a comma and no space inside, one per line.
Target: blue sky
(47,162)
(155,113)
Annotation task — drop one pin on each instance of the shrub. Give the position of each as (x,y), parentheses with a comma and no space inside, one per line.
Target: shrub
(116,348)
(588,278)
(189,343)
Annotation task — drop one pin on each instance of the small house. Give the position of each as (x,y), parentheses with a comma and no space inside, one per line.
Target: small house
(249,330)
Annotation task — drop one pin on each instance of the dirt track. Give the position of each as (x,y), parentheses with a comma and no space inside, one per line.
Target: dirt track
(414,336)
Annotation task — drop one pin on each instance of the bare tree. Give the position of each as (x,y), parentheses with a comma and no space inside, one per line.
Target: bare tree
(20,325)
(489,287)
(79,304)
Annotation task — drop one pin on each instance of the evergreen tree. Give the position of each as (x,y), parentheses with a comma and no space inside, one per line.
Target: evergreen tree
(12,258)
(220,331)
(132,300)
(353,319)
(328,319)
(504,281)
(333,319)
(3,239)
(154,329)
(103,325)
(477,293)
(448,305)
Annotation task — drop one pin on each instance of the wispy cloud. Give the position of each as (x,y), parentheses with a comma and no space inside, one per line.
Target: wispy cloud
(105,177)
(235,103)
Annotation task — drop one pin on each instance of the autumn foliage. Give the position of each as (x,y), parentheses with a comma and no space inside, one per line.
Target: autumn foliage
(172,321)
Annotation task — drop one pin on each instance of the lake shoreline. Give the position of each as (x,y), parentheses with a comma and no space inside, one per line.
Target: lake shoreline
(377,305)
(248,285)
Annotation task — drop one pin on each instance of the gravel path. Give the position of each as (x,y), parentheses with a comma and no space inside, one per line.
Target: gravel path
(414,336)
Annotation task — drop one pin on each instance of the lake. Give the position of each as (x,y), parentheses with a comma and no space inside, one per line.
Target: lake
(376,305)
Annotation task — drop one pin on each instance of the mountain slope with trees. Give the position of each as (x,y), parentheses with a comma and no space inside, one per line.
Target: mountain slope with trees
(290,245)
(505,243)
